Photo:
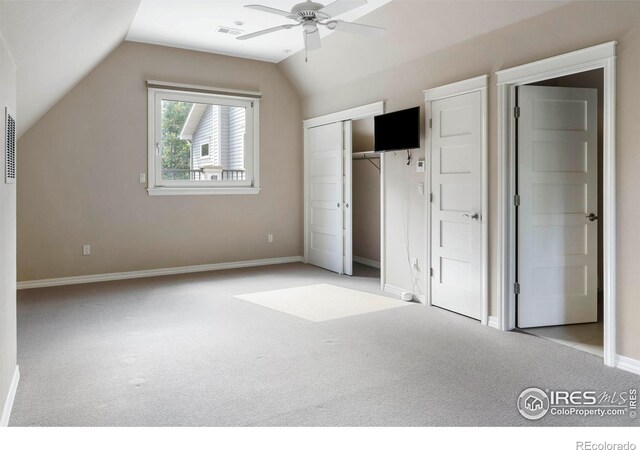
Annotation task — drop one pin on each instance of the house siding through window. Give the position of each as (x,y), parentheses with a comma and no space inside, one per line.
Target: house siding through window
(223,128)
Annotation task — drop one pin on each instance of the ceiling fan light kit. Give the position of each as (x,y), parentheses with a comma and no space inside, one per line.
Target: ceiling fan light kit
(309,15)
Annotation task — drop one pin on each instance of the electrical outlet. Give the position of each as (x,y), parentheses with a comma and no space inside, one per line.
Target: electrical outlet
(143,178)
(420,188)
(270,238)
(86,250)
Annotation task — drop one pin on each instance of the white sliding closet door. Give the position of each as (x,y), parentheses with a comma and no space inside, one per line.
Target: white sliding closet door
(347,182)
(325,185)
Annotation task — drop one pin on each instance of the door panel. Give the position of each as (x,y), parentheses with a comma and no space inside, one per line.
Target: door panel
(325,186)
(456,238)
(557,184)
(347,188)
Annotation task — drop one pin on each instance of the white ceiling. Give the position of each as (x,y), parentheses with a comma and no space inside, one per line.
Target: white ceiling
(194,25)
(56,44)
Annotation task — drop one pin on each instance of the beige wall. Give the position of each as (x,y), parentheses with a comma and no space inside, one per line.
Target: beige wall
(7,235)
(577,25)
(79,169)
(365,194)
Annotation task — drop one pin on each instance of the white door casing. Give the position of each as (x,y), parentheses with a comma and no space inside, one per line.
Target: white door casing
(325,196)
(557,184)
(602,56)
(456,211)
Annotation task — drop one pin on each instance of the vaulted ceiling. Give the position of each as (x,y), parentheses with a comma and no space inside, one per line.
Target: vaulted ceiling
(195,25)
(57,43)
(414,29)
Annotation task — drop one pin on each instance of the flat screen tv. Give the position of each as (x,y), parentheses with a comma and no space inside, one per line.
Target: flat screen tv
(399,130)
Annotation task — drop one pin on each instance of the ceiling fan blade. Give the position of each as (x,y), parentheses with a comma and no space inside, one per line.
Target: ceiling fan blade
(267,31)
(341,6)
(269,10)
(312,40)
(357,28)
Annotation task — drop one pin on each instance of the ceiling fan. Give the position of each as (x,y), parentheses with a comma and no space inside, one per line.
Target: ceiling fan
(310,14)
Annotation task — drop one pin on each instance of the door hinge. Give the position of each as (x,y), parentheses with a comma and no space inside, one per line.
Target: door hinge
(430,123)
(516,200)
(516,288)
(431,197)
(516,112)
(431,271)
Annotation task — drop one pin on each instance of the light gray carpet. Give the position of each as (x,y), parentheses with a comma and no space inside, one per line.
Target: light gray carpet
(181,350)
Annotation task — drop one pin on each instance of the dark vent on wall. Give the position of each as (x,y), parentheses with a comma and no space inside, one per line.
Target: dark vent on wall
(10,148)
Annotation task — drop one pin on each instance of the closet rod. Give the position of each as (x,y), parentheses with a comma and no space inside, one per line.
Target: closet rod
(369,156)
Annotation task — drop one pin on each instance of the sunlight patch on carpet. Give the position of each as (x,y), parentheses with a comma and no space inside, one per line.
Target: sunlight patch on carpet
(320,302)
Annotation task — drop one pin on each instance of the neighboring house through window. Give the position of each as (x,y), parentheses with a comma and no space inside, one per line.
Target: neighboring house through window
(202,140)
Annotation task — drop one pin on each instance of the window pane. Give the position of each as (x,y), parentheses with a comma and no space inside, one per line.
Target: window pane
(202,142)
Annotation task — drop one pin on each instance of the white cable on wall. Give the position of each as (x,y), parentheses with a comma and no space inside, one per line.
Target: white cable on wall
(405,226)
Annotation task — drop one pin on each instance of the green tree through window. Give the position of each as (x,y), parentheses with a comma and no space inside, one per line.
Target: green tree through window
(176,155)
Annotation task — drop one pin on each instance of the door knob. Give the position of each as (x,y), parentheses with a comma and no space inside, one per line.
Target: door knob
(592,217)
(474,216)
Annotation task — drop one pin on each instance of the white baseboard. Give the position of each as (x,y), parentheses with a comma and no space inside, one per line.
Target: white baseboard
(11,396)
(493,322)
(366,262)
(395,290)
(391,289)
(628,364)
(155,272)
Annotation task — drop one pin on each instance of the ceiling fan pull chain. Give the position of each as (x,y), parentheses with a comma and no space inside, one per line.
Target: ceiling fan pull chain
(306,46)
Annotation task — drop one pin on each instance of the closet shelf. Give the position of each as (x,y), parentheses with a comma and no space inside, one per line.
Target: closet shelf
(365,155)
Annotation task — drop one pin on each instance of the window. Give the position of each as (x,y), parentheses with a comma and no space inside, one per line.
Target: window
(202,140)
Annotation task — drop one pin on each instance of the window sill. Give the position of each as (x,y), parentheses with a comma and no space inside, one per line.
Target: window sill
(203,191)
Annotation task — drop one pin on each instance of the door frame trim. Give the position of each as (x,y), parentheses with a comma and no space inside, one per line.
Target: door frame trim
(601,56)
(476,84)
(359,112)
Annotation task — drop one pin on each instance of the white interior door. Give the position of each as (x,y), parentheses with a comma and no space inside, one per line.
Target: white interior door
(558,185)
(456,184)
(347,196)
(325,196)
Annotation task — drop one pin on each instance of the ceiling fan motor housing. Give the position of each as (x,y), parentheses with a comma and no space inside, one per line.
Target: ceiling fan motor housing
(308,10)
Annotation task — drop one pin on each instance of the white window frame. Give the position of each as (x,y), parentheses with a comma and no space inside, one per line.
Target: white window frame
(202,155)
(157,92)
